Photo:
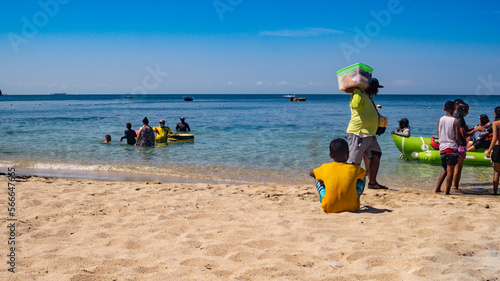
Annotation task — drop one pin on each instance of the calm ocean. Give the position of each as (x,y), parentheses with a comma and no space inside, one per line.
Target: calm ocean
(239,138)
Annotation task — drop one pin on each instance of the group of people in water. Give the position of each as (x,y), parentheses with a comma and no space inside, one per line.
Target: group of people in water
(456,139)
(147,136)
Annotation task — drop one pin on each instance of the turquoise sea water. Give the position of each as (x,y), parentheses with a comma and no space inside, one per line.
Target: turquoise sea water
(240,138)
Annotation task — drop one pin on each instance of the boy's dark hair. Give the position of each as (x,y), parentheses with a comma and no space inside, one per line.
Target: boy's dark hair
(458,101)
(462,109)
(497,112)
(449,106)
(484,119)
(338,148)
(404,123)
(145,121)
(129,126)
(108,137)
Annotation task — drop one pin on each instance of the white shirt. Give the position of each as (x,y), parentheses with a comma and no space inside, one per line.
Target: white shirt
(446,133)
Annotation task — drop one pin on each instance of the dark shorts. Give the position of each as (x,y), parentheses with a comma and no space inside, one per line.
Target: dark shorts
(449,157)
(495,155)
(481,143)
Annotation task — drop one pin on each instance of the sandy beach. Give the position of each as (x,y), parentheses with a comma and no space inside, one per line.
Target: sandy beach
(70,229)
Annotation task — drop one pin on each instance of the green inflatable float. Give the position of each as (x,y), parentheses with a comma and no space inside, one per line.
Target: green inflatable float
(420,148)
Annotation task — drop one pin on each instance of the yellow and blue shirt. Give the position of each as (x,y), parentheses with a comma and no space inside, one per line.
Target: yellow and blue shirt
(340,181)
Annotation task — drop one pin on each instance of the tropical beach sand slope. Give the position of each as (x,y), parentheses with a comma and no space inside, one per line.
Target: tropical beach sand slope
(73,229)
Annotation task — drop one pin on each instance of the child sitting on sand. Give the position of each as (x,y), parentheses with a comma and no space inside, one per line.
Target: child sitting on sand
(339,184)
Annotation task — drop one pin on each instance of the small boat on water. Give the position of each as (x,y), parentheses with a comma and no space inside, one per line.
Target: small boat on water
(289,96)
(128,97)
(187,98)
(298,99)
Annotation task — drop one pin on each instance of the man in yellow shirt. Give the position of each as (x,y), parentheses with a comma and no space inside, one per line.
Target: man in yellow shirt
(362,126)
(339,184)
(161,132)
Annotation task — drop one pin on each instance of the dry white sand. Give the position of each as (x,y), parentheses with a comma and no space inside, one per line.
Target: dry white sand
(71,229)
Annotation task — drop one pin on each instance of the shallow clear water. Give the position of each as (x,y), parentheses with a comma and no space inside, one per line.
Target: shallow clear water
(249,138)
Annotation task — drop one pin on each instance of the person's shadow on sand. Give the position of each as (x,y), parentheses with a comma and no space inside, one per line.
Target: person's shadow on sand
(372,210)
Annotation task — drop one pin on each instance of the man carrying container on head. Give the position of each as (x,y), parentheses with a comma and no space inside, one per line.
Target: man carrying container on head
(362,128)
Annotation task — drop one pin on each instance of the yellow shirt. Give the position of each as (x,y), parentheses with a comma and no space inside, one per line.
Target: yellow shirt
(364,116)
(161,133)
(340,186)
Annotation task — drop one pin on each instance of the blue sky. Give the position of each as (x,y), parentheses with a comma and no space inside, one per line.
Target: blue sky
(243,46)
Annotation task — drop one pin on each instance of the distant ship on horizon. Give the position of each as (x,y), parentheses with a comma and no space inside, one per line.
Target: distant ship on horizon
(59,94)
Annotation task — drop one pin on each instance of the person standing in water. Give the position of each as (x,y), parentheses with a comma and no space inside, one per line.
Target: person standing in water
(129,134)
(162,132)
(182,126)
(146,135)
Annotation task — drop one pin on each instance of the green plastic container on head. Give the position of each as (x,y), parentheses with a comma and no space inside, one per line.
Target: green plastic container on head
(357,75)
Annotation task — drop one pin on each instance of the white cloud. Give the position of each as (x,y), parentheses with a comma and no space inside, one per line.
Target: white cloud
(305,32)
(230,83)
(402,83)
(260,83)
(311,84)
(283,83)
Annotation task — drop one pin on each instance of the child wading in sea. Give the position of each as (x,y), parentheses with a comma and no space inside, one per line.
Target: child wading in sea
(108,139)
(448,146)
(339,184)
